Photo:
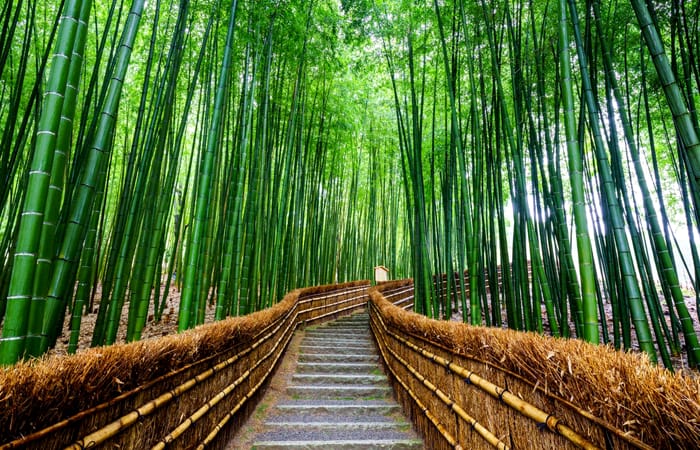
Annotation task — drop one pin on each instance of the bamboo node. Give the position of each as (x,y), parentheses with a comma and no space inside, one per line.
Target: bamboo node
(500,394)
(546,424)
(468,378)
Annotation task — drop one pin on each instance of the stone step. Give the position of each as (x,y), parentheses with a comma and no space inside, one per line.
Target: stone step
(335,424)
(351,321)
(364,325)
(361,338)
(340,379)
(344,329)
(345,444)
(336,325)
(344,408)
(349,338)
(345,326)
(382,417)
(337,439)
(362,317)
(336,342)
(332,367)
(338,397)
(348,324)
(345,323)
(337,391)
(325,349)
(339,357)
(339,334)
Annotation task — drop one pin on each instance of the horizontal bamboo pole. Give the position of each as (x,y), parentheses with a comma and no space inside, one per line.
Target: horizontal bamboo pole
(222,423)
(103,434)
(55,428)
(313,297)
(574,408)
(505,396)
(484,432)
(407,300)
(335,312)
(396,292)
(202,411)
(343,302)
(426,411)
(303,297)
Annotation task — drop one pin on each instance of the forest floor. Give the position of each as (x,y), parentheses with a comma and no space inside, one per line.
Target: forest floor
(168,325)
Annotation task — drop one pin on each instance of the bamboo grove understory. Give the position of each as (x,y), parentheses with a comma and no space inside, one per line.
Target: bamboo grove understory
(545,151)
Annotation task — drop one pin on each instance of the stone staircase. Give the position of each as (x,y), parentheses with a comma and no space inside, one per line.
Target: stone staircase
(338,397)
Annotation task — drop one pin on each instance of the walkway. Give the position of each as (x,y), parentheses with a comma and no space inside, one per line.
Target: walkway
(334,396)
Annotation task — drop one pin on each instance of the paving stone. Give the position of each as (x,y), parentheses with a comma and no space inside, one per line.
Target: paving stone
(339,398)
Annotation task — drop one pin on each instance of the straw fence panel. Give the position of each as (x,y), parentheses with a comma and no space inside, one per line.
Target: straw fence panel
(466,387)
(191,390)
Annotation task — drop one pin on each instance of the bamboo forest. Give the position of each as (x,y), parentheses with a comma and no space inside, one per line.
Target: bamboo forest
(546,152)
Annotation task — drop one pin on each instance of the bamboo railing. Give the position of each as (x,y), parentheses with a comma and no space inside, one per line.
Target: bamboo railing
(459,394)
(199,404)
(463,387)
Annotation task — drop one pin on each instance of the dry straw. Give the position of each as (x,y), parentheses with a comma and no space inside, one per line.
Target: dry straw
(485,433)
(41,396)
(623,392)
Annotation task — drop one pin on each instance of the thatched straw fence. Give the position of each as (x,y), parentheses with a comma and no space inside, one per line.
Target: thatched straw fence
(474,387)
(190,390)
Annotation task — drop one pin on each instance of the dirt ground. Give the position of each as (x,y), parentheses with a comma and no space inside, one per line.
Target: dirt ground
(167,325)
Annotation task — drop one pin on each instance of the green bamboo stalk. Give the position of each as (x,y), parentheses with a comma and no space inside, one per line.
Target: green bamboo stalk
(204,189)
(588,285)
(681,115)
(613,205)
(83,196)
(13,341)
(667,268)
(57,181)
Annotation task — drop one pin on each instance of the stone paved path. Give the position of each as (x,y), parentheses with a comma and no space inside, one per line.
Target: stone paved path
(336,398)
